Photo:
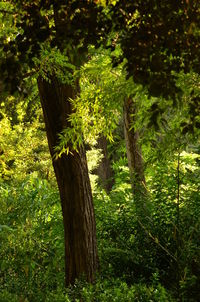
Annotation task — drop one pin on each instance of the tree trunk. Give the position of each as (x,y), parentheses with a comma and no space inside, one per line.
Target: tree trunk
(73,182)
(104,170)
(133,149)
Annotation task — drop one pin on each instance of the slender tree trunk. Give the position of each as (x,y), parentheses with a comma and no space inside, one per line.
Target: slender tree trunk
(133,149)
(73,182)
(104,170)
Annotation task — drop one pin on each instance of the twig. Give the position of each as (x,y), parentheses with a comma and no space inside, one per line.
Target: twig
(157,241)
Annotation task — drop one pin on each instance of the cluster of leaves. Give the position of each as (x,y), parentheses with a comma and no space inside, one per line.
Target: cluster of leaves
(138,248)
(32,266)
(52,63)
(190,85)
(27,26)
(98,108)
(23,145)
(31,241)
(162,238)
(169,126)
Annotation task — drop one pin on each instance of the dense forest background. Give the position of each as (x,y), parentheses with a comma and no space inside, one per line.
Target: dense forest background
(109,92)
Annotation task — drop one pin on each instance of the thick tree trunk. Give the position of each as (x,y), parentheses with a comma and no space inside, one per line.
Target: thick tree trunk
(104,170)
(74,186)
(133,149)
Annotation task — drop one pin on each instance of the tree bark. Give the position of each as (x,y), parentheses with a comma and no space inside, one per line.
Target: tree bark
(73,182)
(133,149)
(104,170)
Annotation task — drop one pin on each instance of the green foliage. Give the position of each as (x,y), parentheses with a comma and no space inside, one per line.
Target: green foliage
(148,244)
(6,16)
(161,239)
(31,241)
(116,290)
(32,245)
(52,63)
(140,250)
(23,147)
(190,85)
(169,126)
(99,107)
(94,156)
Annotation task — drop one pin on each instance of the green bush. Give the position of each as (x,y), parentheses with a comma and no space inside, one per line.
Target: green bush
(31,234)
(118,291)
(140,257)
(136,242)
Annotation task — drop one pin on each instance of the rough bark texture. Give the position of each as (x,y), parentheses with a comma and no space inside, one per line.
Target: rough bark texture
(74,186)
(104,170)
(133,149)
